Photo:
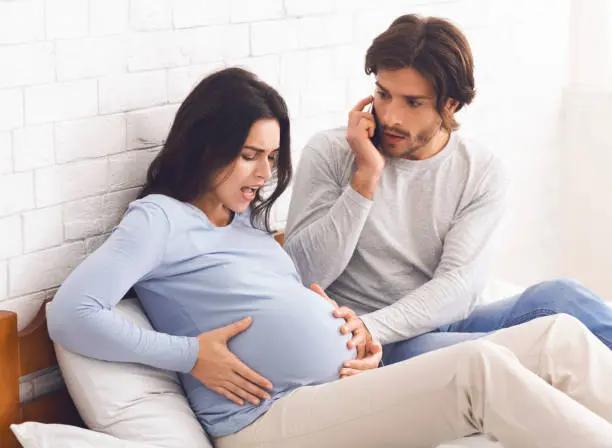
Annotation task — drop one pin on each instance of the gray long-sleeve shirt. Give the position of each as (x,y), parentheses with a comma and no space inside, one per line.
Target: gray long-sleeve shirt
(415,257)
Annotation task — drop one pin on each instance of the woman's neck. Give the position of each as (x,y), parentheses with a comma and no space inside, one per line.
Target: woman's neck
(215,211)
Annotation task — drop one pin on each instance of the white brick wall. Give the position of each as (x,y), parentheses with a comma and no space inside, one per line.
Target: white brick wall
(89,89)
(33,147)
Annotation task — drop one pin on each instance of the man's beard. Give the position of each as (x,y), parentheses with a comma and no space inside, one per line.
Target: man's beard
(412,145)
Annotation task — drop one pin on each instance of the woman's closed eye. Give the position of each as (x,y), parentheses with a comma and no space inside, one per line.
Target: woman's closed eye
(252,155)
(249,155)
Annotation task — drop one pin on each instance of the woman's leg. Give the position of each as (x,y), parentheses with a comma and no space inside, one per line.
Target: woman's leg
(561,350)
(477,386)
(435,340)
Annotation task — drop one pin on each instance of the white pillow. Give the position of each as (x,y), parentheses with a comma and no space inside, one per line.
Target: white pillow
(132,402)
(41,435)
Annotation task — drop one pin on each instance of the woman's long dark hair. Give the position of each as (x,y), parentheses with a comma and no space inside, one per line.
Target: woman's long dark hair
(208,133)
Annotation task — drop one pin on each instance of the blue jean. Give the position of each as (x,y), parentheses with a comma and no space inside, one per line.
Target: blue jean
(542,299)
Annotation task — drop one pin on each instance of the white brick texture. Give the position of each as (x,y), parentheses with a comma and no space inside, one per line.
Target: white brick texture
(33,147)
(132,91)
(26,64)
(11,109)
(10,243)
(22,21)
(89,138)
(17,193)
(42,228)
(6,153)
(60,183)
(43,269)
(61,101)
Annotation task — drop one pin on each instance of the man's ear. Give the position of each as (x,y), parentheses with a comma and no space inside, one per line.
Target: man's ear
(451,106)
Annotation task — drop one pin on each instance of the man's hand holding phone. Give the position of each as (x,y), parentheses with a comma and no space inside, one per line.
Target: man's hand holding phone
(368,159)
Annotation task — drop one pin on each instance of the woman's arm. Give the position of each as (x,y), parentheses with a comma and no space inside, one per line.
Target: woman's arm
(81,317)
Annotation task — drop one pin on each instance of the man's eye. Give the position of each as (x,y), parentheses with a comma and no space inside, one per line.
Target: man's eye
(414,103)
(381,94)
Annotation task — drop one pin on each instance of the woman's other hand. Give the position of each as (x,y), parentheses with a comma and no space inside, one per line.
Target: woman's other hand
(223,372)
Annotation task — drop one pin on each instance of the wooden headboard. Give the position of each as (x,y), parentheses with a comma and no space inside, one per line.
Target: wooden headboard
(26,352)
(23,353)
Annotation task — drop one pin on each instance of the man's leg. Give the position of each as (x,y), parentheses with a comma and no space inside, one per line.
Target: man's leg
(544,299)
(478,386)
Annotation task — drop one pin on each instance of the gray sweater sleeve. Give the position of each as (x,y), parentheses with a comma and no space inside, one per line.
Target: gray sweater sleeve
(460,275)
(81,317)
(325,218)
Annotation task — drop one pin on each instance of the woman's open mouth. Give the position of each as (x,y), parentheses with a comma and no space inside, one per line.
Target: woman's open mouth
(249,193)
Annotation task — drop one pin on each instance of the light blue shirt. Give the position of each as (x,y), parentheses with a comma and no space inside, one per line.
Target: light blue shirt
(193,277)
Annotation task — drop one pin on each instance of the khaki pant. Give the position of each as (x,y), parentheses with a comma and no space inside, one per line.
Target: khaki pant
(499,385)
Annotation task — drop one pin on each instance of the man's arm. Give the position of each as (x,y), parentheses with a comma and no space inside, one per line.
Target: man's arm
(450,295)
(326,219)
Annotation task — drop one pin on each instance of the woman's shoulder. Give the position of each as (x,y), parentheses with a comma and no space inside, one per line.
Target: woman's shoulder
(157,212)
(158,205)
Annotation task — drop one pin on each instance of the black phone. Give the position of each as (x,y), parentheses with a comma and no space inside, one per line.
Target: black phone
(375,139)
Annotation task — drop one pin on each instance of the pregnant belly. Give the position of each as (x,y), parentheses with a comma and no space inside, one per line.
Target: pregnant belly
(295,344)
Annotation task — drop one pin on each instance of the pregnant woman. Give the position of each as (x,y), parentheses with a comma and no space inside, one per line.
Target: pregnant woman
(259,354)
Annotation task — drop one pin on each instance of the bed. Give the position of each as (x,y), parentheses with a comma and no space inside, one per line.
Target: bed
(28,355)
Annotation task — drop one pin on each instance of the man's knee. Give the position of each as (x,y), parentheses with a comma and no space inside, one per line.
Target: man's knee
(556,296)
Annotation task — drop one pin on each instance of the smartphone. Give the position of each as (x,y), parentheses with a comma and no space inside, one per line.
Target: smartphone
(375,139)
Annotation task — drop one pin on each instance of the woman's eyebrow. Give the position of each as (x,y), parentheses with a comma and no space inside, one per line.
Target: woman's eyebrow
(258,149)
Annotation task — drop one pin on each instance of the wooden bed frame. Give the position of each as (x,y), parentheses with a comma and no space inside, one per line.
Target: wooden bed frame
(26,352)
(23,353)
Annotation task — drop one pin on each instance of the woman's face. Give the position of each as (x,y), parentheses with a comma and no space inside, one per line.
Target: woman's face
(236,185)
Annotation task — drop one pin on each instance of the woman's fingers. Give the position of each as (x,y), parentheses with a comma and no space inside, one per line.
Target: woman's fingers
(229,395)
(242,393)
(249,374)
(249,387)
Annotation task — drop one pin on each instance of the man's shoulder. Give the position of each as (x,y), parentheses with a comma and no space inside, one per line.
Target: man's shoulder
(329,143)
(480,164)
(477,156)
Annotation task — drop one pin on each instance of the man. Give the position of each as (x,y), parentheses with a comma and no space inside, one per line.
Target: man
(395,215)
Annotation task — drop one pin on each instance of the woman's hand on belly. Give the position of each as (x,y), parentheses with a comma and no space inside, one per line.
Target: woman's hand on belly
(223,372)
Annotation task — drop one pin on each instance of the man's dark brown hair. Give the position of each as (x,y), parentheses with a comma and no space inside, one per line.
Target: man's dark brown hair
(434,47)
